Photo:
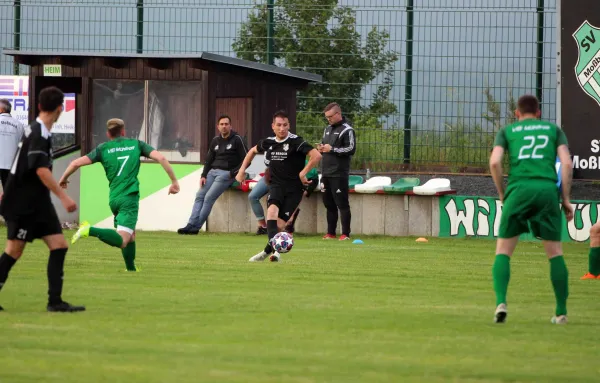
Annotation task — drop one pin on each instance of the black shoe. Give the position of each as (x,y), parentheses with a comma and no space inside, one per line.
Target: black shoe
(188,231)
(1,308)
(261,231)
(64,307)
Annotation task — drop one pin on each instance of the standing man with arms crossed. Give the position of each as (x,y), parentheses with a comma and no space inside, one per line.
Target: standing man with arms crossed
(225,155)
(285,156)
(338,145)
(531,198)
(11,131)
(26,204)
(120,158)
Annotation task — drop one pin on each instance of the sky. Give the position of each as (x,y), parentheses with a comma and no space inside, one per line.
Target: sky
(461,47)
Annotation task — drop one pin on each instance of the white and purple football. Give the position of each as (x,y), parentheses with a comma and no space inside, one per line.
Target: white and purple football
(282,242)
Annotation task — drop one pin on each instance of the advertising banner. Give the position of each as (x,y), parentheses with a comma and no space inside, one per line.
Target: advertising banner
(579,62)
(15,89)
(480,217)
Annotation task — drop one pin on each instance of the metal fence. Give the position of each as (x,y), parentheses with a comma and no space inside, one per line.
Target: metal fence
(425,82)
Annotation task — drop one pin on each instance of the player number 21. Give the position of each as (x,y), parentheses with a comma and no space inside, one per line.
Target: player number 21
(535,142)
(124,158)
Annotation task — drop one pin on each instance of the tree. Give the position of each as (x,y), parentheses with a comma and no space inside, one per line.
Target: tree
(321,37)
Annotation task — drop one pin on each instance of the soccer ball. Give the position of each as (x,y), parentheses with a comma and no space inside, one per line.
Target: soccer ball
(282,242)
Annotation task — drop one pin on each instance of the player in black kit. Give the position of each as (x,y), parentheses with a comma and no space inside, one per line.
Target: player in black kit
(285,157)
(26,205)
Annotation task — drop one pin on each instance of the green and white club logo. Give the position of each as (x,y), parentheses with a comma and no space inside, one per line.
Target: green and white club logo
(588,60)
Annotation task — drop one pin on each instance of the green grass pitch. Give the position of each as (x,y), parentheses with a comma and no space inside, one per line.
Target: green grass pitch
(390,310)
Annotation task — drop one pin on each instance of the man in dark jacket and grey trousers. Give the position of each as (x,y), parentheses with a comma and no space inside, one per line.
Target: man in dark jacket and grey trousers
(225,155)
(337,146)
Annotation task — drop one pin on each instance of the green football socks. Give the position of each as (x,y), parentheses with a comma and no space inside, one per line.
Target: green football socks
(129,256)
(560,282)
(108,236)
(501,274)
(594,261)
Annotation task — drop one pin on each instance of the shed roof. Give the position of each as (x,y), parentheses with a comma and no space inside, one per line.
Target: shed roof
(25,57)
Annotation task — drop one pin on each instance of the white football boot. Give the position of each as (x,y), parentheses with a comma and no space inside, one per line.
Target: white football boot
(561,319)
(500,315)
(274,257)
(259,257)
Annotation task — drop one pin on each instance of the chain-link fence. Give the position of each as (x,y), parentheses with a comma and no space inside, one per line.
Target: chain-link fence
(424,82)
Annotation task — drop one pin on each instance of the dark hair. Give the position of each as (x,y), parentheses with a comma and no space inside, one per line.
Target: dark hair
(50,99)
(528,104)
(331,106)
(280,114)
(5,104)
(222,117)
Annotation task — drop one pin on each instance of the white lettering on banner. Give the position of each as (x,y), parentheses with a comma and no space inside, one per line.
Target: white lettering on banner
(482,217)
(458,218)
(463,220)
(497,219)
(595,146)
(591,162)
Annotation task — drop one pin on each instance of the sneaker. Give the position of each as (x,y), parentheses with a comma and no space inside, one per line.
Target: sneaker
(274,257)
(64,307)
(500,315)
(344,237)
(82,232)
(1,308)
(259,257)
(590,276)
(261,231)
(188,230)
(561,319)
(329,236)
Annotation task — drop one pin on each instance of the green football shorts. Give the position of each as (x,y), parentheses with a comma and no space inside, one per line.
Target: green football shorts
(532,205)
(125,210)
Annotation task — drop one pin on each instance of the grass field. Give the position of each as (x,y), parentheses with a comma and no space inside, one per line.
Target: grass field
(390,310)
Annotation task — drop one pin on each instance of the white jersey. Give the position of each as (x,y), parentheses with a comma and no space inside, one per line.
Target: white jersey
(11,131)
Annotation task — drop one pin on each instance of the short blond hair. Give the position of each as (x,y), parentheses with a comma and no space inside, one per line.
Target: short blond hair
(115,123)
(115,126)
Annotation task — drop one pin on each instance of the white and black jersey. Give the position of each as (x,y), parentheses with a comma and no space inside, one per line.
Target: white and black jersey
(25,194)
(11,131)
(285,159)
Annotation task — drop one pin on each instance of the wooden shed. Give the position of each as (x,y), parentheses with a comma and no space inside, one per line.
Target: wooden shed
(171,101)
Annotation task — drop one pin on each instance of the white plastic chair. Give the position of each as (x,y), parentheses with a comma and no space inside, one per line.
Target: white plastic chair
(433,186)
(373,184)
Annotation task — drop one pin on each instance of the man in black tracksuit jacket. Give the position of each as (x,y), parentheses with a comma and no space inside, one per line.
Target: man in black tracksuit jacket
(225,155)
(337,146)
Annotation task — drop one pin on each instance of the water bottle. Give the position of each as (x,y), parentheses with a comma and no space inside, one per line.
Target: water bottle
(368,173)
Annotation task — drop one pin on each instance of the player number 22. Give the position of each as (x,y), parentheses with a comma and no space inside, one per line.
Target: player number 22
(124,158)
(535,142)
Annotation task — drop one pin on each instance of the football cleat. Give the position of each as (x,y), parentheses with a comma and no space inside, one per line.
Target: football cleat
(259,257)
(64,307)
(561,319)
(500,314)
(82,232)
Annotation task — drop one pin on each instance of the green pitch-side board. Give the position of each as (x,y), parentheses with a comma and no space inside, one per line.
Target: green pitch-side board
(480,217)
(94,187)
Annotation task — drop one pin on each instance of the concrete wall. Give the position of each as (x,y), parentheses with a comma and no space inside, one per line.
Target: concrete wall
(372,214)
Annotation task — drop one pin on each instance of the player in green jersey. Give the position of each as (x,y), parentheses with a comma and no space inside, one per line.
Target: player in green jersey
(531,199)
(120,158)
